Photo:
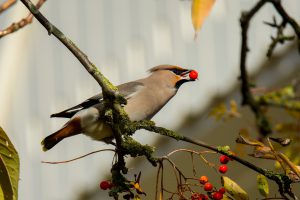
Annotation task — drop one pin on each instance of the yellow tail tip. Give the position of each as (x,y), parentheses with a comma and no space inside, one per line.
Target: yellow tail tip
(43,146)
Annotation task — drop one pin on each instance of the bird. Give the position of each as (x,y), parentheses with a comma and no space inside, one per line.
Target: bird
(145,97)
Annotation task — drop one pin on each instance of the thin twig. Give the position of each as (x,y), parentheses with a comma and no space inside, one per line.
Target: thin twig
(7,4)
(162,183)
(248,98)
(286,17)
(280,37)
(189,151)
(261,120)
(175,168)
(22,23)
(77,158)
(157,179)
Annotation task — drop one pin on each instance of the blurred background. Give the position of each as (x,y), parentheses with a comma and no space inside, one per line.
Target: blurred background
(39,76)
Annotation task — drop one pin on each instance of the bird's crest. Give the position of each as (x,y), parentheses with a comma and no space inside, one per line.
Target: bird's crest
(165,67)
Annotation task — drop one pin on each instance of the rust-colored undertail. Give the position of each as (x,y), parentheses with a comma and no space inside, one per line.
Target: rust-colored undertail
(71,128)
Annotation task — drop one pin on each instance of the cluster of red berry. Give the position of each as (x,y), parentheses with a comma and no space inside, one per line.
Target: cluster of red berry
(104,185)
(208,187)
(197,196)
(212,192)
(224,160)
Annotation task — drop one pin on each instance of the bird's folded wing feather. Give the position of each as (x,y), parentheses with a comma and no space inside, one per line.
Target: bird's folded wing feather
(127,90)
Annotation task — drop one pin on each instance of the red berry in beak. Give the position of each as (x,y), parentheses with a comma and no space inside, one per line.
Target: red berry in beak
(193,74)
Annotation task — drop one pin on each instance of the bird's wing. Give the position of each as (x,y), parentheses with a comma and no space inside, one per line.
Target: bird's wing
(127,90)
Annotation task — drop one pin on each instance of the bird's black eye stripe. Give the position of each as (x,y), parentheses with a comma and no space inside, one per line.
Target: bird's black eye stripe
(177,71)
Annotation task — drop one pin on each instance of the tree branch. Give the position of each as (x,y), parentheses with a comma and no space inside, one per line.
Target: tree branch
(280,37)
(261,120)
(7,4)
(285,16)
(22,23)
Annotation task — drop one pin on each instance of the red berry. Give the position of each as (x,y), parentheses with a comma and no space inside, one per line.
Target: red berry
(223,169)
(224,159)
(193,74)
(208,186)
(203,179)
(217,196)
(222,190)
(104,185)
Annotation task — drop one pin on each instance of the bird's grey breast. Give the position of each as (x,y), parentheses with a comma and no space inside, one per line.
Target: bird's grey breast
(148,100)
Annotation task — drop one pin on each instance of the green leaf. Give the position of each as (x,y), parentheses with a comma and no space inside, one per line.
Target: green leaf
(234,189)
(262,184)
(9,168)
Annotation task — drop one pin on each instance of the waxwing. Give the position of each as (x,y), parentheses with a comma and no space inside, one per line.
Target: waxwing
(145,97)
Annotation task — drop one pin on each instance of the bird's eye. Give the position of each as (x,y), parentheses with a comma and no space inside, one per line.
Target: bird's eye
(176,71)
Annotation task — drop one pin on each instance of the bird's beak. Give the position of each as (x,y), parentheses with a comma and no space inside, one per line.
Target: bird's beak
(186,75)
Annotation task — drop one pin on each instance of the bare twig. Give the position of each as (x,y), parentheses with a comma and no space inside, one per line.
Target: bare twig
(261,120)
(160,167)
(286,17)
(280,37)
(248,98)
(7,4)
(22,23)
(77,158)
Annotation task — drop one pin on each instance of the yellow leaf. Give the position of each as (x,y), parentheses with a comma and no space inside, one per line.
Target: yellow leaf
(234,189)
(200,10)
(263,152)
(289,163)
(262,184)
(244,139)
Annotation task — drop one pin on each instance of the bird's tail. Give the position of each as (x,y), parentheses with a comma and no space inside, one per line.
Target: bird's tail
(68,130)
